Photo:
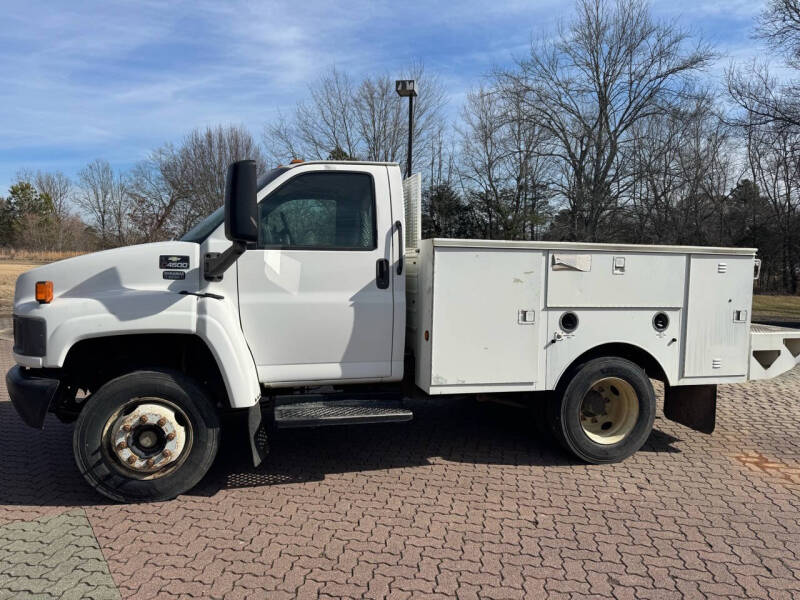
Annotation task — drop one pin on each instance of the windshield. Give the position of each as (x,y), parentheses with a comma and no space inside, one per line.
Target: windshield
(204,228)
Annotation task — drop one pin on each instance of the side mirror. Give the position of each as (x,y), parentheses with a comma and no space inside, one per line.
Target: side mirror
(241,218)
(241,208)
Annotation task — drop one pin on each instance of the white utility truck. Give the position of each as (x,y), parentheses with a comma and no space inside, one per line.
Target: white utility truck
(310,299)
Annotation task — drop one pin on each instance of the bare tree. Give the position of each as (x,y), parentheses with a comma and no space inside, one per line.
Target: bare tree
(176,186)
(156,186)
(504,164)
(205,156)
(608,68)
(769,121)
(363,120)
(382,128)
(761,96)
(320,125)
(779,25)
(58,188)
(774,158)
(763,100)
(683,170)
(53,184)
(103,196)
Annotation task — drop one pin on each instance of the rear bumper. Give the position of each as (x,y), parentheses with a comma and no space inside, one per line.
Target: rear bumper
(30,395)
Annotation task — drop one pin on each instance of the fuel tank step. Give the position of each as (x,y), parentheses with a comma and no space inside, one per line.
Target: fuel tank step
(316,412)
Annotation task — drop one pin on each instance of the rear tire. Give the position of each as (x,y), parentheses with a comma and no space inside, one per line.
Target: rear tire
(604,411)
(146,436)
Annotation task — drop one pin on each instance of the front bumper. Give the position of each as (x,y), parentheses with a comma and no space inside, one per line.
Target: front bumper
(31,395)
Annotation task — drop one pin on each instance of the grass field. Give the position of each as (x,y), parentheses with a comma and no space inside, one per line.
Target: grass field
(776,308)
(9,270)
(15,262)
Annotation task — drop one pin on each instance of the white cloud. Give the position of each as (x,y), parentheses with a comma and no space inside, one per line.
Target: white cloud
(113,78)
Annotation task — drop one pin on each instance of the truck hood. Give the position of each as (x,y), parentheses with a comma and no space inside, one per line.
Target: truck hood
(145,270)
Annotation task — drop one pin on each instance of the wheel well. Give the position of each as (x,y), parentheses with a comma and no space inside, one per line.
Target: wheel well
(92,362)
(635,354)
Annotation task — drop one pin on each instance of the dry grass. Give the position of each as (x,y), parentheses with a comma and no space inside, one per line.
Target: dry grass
(34,256)
(776,307)
(15,262)
(9,271)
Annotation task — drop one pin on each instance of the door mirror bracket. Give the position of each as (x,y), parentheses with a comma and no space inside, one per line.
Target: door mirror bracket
(215,263)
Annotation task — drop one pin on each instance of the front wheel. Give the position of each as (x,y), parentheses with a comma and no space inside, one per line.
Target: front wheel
(605,412)
(146,436)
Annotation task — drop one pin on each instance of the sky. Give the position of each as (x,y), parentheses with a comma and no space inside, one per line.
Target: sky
(81,80)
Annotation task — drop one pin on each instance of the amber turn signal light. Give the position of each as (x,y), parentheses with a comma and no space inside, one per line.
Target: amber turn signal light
(44,292)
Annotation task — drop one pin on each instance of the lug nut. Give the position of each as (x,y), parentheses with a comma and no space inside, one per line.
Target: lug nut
(167,454)
(150,462)
(131,459)
(162,421)
(143,419)
(171,436)
(126,427)
(122,445)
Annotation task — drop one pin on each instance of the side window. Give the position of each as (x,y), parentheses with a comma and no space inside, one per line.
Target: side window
(320,211)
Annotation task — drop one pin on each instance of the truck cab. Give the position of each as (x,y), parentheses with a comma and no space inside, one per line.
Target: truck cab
(309,298)
(321,297)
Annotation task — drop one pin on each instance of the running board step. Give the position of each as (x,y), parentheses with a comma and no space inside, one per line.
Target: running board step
(339,412)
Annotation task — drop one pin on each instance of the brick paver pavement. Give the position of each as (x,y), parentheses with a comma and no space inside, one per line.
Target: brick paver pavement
(464,501)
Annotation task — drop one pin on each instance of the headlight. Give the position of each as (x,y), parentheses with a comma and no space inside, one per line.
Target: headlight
(30,336)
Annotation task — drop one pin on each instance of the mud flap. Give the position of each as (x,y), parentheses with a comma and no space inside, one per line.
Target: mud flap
(257,434)
(692,405)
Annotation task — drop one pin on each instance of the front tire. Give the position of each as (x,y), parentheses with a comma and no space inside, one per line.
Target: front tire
(146,436)
(605,410)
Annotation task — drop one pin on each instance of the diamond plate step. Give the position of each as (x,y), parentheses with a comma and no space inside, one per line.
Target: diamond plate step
(319,413)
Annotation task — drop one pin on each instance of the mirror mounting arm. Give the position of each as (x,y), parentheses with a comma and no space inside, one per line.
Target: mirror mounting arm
(215,264)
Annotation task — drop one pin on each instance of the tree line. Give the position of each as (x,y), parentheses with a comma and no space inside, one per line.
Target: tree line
(609,129)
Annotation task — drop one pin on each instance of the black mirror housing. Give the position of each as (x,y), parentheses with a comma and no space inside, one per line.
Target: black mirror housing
(241,207)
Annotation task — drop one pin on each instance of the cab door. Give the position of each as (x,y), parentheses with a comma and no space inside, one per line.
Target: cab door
(315,297)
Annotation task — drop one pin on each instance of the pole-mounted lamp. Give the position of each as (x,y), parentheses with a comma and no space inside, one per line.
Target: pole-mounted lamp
(408,87)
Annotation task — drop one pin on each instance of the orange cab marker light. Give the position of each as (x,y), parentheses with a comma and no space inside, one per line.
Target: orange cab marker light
(296,161)
(44,292)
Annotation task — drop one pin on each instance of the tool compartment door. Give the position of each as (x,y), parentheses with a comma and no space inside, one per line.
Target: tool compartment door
(718,316)
(487,318)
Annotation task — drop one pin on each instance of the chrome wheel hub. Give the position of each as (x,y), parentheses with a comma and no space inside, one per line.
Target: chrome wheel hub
(149,438)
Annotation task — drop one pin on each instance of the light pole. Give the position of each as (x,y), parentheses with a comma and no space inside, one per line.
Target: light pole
(407,87)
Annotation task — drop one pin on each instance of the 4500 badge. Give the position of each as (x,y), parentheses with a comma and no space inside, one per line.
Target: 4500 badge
(173,262)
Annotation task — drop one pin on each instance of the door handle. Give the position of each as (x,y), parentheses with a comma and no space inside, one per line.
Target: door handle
(399,226)
(382,273)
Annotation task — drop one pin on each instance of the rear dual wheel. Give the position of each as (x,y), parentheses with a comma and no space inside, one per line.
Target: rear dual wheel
(146,436)
(604,412)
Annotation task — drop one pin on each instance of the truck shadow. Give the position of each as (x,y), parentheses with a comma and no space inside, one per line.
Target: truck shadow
(443,431)
(37,467)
